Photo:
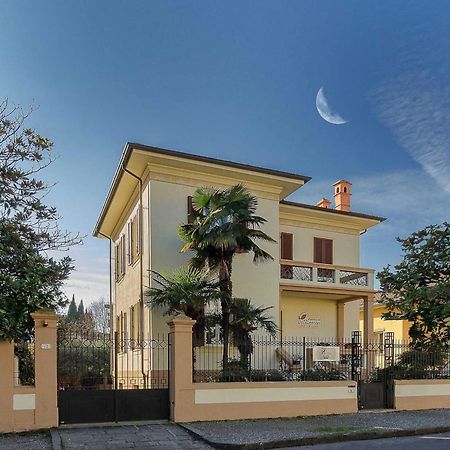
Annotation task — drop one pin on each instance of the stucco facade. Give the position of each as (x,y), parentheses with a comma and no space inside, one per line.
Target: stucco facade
(149,192)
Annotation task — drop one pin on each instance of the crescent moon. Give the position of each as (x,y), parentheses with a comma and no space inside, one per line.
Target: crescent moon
(325,111)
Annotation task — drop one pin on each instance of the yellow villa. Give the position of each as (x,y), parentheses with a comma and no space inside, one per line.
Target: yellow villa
(381,326)
(315,283)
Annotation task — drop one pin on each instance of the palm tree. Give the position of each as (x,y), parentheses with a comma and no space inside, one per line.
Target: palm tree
(246,318)
(186,291)
(223,222)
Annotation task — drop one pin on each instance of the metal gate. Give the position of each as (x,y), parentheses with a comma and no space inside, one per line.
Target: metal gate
(111,379)
(370,361)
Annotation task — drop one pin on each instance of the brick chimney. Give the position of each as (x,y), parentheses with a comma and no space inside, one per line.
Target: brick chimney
(342,195)
(323,203)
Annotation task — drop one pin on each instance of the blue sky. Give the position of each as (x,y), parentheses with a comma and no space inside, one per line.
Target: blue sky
(238,80)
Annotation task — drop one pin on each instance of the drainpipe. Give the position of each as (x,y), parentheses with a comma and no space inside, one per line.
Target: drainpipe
(141,268)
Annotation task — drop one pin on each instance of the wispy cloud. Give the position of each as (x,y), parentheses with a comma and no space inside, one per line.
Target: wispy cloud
(417,111)
(412,100)
(87,285)
(90,279)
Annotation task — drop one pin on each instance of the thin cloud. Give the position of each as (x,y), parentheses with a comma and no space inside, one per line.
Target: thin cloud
(412,100)
(87,285)
(417,110)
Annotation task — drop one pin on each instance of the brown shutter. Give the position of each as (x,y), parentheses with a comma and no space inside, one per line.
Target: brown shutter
(323,251)
(317,250)
(328,251)
(190,210)
(287,246)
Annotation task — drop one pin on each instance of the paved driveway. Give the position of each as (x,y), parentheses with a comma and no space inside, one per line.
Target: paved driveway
(162,436)
(26,441)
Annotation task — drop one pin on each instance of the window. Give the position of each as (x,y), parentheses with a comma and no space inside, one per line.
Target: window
(125,333)
(134,326)
(116,260)
(118,325)
(120,257)
(121,332)
(133,233)
(323,251)
(130,242)
(138,230)
(287,246)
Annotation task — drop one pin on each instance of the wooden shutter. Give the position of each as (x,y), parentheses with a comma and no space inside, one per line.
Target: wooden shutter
(138,230)
(130,242)
(190,210)
(287,246)
(116,257)
(123,256)
(323,251)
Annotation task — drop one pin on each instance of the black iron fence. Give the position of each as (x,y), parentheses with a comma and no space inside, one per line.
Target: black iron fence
(267,358)
(88,359)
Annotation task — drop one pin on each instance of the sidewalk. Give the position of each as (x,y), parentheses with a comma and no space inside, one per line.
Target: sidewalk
(273,433)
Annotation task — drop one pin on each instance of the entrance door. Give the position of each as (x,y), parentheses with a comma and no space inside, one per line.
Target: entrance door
(370,364)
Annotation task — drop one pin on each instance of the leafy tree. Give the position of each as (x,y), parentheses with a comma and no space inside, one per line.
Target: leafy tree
(418,289)
(187,291)
(80,310)
(223,223)
(72,312)
(30,279)
(245,319)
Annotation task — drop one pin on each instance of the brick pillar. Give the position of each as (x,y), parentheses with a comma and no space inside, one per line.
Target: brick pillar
(45,324)
(6,386)
(180,377)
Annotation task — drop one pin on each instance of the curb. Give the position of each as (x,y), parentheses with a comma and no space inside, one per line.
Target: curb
(56,439)
(331,438)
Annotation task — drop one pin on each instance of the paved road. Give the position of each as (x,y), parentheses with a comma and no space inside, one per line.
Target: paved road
(431,442)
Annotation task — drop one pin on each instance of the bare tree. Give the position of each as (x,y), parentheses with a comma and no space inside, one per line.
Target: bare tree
(100,312)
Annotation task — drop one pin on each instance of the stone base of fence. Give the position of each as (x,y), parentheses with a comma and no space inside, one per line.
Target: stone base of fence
(255,400)
(24,408)
(421,394)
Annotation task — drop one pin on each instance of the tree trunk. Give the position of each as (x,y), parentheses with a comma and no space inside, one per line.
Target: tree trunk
(226,289)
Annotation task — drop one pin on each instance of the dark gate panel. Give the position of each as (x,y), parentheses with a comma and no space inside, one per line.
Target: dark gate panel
(372,395)
(88,406)
(99,406)
(142,404)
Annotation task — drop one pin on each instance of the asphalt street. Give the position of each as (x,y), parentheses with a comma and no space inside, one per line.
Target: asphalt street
(430,442)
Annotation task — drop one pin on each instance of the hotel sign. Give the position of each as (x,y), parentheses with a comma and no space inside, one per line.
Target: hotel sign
(308,322)
(326,353)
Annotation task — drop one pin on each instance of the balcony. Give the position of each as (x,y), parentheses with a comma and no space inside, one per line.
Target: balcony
(325,275)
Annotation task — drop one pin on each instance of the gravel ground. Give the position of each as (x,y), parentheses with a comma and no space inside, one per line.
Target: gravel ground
(275,430)
(25,441)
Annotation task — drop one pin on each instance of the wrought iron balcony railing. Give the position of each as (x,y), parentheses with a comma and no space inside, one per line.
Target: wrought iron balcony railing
(312,273)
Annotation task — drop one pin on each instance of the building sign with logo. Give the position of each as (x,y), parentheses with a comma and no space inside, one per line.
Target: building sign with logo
(309,322)
(325,353)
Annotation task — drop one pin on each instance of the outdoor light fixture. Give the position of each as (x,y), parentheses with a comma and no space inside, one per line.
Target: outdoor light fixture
(45,323)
